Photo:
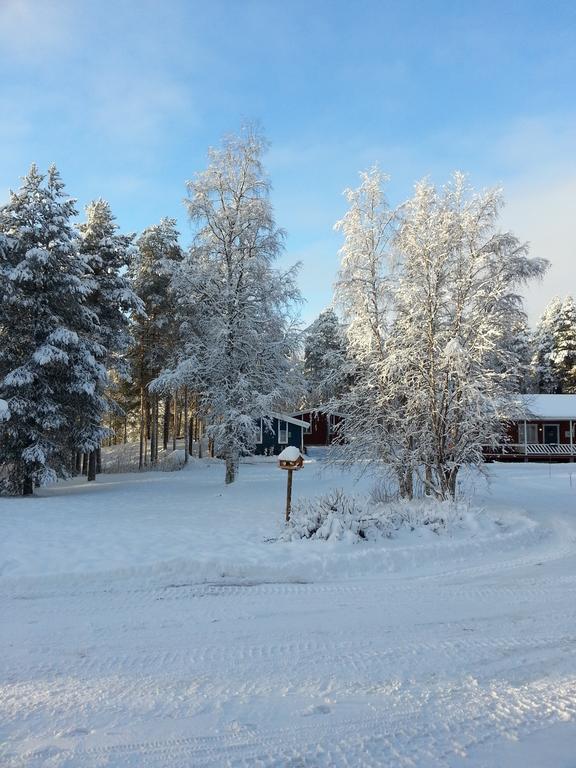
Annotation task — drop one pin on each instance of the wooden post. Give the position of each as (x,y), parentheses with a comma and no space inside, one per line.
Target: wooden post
(525,441)
(289,495)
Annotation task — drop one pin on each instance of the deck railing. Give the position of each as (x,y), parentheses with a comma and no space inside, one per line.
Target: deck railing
(539,449)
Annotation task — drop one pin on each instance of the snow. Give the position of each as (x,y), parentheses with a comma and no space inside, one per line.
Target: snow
(291,453)
(155,619)
(551,406)
(4,410)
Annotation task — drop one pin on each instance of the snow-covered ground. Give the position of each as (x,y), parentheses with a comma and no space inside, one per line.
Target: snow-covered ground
(154,620)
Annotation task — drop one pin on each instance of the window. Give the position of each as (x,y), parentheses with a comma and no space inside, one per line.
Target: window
(259,440)
(282,432)
(531,436)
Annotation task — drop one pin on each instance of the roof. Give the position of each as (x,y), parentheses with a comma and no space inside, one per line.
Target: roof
(290,419)
(319,409)
(551,406)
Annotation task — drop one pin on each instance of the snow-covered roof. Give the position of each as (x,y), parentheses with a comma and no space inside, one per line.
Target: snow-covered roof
(291,453)
(4,411)
(319,409)
(551,406)
(290,419)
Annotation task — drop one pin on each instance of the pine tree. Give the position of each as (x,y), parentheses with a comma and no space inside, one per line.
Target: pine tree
(107,254)
(544,370)
(49,370)
(156,331)
(236,309)
(563,356)
(326,368)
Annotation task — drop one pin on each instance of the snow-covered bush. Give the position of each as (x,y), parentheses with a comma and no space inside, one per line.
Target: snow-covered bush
(337,516)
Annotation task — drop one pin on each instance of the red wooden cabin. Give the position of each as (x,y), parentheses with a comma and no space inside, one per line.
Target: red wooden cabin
(323,429)
(548,433)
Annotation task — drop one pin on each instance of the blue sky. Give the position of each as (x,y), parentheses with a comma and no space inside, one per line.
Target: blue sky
(125,96)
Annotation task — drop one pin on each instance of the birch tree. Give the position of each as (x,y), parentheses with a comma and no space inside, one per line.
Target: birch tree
(447,377)
(237,326)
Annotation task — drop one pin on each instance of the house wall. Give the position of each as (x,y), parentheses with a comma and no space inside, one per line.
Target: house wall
(515,431)
(319,433)
(270,445)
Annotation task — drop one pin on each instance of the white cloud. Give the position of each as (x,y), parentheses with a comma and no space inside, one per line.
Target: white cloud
(542,213)
(34,29)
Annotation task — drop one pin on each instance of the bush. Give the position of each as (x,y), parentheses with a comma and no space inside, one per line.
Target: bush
(336,516)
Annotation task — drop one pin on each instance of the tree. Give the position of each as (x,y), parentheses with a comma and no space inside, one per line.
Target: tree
(563,356)
(50,374)
(155,331)
(544,371)
(107,254)
(237,328)
(325,364)
(440,375)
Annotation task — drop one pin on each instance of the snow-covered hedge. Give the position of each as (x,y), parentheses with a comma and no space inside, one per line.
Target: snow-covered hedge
(337,516)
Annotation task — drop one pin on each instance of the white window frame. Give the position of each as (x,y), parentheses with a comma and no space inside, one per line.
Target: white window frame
(282,430)
(528,430)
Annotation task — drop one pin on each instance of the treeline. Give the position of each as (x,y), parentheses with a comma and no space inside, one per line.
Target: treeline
(107,337)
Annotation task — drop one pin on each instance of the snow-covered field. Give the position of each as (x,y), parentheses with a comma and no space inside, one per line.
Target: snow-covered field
(154,620)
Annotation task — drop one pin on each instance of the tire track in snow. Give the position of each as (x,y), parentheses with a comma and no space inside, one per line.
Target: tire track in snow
(423,730)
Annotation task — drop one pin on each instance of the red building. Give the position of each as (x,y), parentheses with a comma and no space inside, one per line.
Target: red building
(323,429)
(548,433)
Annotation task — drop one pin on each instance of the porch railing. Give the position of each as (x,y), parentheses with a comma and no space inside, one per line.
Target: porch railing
(540,449)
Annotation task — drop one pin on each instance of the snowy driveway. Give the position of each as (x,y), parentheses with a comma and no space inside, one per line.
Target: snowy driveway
(150,622)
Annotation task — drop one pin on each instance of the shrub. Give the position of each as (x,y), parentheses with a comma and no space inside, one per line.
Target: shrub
(336,516)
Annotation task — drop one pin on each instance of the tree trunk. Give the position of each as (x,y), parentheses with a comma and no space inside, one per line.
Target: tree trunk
(84,463)
(28,486)
(141,458)
(91,466)
(185,417)
(166,423)
(78,467)
(98,460)
(175,425)
(231,468)
(154,430)
(191,437)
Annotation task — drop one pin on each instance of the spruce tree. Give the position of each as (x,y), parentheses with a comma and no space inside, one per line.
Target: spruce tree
(563,356)
(49,370)
(107,254)
(154,331)
(325,365)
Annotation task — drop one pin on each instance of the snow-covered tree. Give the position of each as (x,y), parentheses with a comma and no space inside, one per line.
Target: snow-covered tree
(326,367)
(544,371)
(50,374)
(107,254)
(564,353)
(365,294)
(156,331)
(443,376)
(237,327)
(554,358)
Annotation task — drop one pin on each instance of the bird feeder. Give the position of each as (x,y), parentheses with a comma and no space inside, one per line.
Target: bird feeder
(290,459)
